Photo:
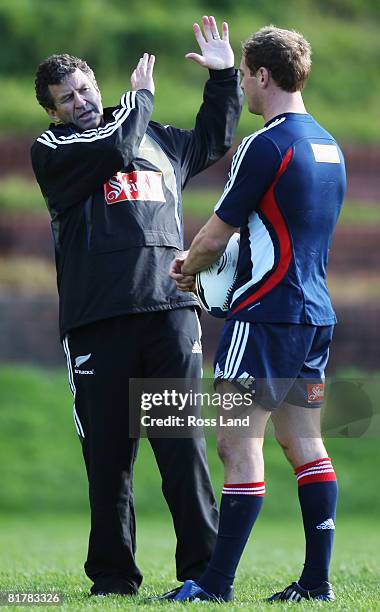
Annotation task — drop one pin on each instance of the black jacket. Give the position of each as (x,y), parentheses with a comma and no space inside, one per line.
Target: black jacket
(114,196)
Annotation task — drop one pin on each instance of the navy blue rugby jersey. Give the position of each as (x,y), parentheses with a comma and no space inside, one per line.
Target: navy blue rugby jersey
(285,190)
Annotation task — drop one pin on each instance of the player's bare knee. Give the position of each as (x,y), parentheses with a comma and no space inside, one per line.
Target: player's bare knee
(287,447)
(226,449)
(289,454)
(282,440)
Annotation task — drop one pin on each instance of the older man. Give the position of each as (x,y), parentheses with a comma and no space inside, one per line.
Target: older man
(112,181)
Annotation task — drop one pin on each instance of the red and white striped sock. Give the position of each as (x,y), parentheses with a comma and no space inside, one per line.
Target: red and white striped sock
(317,493)
(320,470)
(239,509)
(245,488)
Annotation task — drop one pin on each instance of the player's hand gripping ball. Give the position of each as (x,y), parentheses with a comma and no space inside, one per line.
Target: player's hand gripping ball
(215,284)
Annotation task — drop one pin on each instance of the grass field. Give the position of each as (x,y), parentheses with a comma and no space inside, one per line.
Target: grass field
(46,553)
(44,519)
(43,471)
(196,202)
(201,203)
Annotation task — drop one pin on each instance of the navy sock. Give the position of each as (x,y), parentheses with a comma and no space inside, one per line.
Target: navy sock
(318,492)
(239,509)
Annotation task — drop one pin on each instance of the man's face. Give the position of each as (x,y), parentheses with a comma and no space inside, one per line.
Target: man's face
(77,100)
(249,85)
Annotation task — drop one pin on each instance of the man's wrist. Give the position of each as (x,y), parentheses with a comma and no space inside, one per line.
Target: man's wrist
(224,73)
(185,272)
(145,90)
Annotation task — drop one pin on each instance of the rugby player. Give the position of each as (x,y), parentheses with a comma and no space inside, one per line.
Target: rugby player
(284,192)
(112,181)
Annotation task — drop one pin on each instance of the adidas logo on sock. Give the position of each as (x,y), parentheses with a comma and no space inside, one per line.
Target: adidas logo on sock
(328,524)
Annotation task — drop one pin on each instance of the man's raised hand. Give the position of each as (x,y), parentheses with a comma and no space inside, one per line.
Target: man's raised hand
(142,76)
(216,51)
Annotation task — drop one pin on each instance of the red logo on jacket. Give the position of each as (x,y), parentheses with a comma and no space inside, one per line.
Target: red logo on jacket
(139,185)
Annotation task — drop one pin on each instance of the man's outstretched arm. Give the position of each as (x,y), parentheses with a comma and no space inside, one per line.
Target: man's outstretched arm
(218,116)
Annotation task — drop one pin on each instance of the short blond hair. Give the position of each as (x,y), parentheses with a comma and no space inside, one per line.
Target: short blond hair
(285,53)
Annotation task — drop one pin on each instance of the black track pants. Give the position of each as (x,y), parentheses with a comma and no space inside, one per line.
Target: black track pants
(101,358)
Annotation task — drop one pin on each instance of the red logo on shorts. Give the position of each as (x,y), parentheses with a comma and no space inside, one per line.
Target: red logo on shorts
(138,185)
(315,393)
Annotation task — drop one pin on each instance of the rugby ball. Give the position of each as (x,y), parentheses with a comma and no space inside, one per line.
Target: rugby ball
(215,284)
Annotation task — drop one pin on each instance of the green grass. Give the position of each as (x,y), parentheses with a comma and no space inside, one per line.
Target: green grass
(43,469)
(360,213)
(44,519)
(27,276)
(13,200)
(200,203)
(40,554)
(196,202)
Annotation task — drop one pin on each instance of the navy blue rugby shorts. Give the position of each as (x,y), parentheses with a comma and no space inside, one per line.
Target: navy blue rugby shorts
(277,362)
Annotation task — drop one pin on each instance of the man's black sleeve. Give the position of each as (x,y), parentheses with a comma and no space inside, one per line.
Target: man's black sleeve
(70,165)
(215,124)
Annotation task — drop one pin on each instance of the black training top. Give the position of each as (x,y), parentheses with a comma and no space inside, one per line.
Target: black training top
(114,196)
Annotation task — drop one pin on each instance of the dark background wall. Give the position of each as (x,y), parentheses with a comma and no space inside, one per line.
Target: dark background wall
(29,318)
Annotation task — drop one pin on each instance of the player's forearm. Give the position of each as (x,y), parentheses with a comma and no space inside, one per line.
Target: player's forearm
(204,251)
(208,245)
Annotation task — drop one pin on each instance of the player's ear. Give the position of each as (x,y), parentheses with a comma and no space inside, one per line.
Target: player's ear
(52,113)
(263,76)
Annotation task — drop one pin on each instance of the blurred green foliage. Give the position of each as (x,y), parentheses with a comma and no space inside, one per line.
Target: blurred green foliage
(343,92)
(42,468)
(115,32)
(200,203)
(196,202)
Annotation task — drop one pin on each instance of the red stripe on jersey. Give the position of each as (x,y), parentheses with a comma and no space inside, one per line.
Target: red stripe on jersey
(272,212)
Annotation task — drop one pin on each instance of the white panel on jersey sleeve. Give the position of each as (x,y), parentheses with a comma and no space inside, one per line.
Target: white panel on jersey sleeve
(262,253)
(238,158)
(326,153)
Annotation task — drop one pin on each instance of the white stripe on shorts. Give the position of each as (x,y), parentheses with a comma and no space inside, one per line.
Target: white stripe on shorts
(78,424)
(241,351)
(236,351)
(234,347)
